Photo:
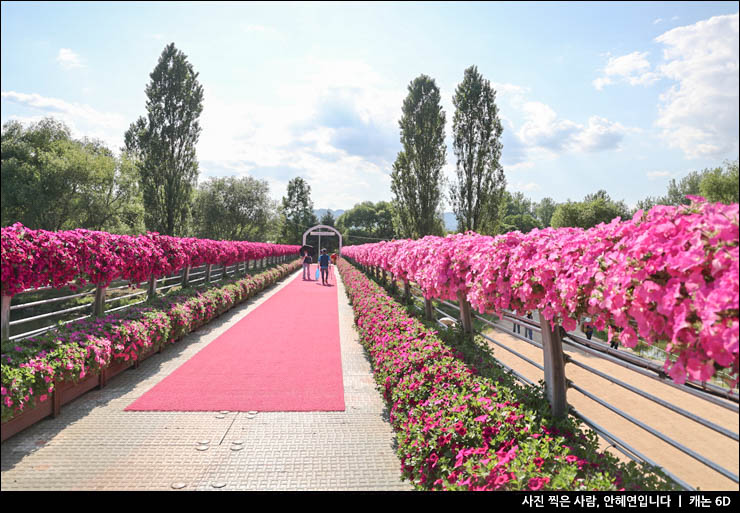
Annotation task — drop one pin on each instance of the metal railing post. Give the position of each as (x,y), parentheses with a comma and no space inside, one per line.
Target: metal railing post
(465,315)
(185,276)
(428,309)
(99,303)
(208,273)
(5,317)
(554,362)
(151,292)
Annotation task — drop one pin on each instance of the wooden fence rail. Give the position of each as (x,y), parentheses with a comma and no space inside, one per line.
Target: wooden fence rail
(186,276)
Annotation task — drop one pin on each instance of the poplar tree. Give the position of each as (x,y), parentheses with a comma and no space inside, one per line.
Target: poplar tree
(416,180)
(477,145)
(164,143)
(296,212)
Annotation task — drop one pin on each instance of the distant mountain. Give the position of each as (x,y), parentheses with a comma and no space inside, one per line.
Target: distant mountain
(321,212)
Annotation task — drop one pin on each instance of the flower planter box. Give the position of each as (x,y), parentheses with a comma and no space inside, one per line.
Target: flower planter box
(27,418)
(68,391)
(196,325)
(146,354)
(64,392)
(115,368)
(224,308)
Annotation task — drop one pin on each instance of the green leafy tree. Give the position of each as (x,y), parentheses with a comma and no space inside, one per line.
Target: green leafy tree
(516,212)
(648,203)
(328,219)
(54,182)
(38,179)
(274,224)
(296,212)
(233,208)
(164,142)
(383,226)
(595,209)
(721,184)
(331,243)
(110,198)
(416,179)
(677,191)
(477,145)
(367,222)
(567,214)
(544,210)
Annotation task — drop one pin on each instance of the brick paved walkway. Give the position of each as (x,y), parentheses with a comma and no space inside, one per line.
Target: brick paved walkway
(95,445)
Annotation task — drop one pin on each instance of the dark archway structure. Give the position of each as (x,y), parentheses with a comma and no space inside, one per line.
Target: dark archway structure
(322,229)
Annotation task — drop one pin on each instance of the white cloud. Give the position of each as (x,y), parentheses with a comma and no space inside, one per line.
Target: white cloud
(515,93)
(652,175)
(627,65)
(600,82)
(657,21)
(260,29)
(255,28)
(332,126)
(68,59)
(543,129)
(520,165)
(600,134)
(82,120)
(525,187)
(699,113)
(633,68)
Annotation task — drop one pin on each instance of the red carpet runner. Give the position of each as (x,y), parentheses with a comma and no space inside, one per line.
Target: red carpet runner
(283,356)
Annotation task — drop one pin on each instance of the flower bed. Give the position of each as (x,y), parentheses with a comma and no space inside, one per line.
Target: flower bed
(669,275)
(462,429)
(38,258)
(30,368)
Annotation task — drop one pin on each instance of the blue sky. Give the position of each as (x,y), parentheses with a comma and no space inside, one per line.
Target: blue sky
(621,96)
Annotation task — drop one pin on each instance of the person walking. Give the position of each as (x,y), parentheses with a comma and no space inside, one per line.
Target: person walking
(307,266)
(324,265)
(588,328)
(527,328)
(334,259)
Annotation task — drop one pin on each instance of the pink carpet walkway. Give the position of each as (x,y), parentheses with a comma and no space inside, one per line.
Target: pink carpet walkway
(283,356)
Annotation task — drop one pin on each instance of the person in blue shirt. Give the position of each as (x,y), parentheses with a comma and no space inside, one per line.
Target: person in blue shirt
(324,265)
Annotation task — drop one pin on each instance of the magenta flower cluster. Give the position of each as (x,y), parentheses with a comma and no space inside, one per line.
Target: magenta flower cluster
(459,430)
(38,258)
(31,368)
(670,274)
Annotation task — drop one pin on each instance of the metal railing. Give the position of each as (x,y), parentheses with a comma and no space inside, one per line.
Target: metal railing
(705,391)
(197,277)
